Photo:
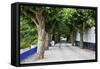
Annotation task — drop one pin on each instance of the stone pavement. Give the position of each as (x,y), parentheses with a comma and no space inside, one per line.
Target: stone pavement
(63,52)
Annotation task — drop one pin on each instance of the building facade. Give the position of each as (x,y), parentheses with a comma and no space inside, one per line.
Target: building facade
(88,39)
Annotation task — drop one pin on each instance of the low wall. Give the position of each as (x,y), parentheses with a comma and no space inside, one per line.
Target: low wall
(28,53)
(86,45)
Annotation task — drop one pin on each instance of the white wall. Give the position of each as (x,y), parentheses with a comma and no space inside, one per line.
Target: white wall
(89,36)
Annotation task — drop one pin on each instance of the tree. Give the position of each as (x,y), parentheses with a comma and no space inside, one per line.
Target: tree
(36,14)
(82,16)
(42,17)
(52,21)
(50,24)
(69,20)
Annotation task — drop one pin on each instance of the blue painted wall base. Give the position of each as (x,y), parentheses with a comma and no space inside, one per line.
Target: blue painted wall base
(28,53)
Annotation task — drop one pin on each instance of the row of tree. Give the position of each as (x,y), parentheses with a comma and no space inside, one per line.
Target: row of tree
(50,23)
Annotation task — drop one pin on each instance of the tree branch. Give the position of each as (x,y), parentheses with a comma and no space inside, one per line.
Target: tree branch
(37,17)
(25,13)
(32,10)
(34,20)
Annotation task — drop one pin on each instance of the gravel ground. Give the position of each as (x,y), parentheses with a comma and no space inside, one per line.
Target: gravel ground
(63,52)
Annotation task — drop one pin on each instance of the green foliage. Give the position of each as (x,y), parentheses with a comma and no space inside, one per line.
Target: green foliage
(80,16)
(28,33)
(62,21)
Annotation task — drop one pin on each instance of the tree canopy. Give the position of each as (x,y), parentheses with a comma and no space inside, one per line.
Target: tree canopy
(62,21)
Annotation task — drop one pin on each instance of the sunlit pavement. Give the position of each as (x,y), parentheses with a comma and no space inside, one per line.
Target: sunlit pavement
(63,52)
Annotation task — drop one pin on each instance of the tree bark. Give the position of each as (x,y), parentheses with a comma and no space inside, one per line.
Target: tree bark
(47,41)
(72,38)
(39,20)
(68,38)
(81,35)
(50,37)
(41,33)
(81,39)
(57,38)
(41,43)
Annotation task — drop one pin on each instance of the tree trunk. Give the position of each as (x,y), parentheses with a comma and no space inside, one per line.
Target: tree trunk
(41,43)
(72,38)
(81,39)
(41,33)
(68,39)
(57,38)
(50,37)
(47,41)
(39,20)
(81,35)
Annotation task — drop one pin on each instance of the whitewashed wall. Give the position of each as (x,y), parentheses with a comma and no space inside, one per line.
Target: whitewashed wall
(89,35)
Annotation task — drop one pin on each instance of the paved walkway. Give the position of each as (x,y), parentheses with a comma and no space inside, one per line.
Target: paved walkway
(63,52)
